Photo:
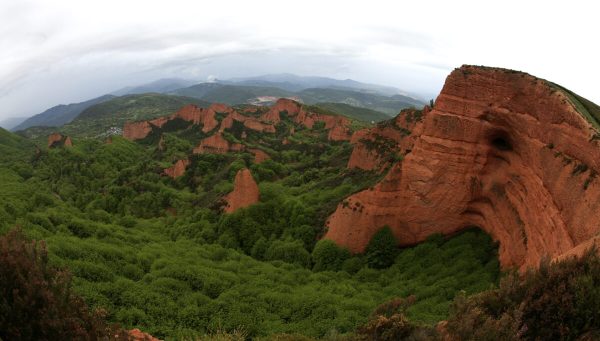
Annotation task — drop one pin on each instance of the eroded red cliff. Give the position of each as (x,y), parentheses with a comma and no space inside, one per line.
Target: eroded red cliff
(245,191)
(59,140)
(217,144)
(177,169)
(375,148)
(501,150)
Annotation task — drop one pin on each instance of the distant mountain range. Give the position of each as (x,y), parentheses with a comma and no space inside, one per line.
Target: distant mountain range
(60,114)
(379,100)
(11,122)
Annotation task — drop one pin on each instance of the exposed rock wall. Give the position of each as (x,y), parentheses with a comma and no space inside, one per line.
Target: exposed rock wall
(501,150)
(59,140)
(245,191)
(375,147)
(217,144)
(136,130)
(259,155)
(178,169)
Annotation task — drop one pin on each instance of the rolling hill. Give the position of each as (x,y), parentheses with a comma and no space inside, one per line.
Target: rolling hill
(108,117)
(60,114)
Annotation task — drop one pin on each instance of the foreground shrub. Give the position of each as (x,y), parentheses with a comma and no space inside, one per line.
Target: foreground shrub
(382,249)
(560,301)
(389,323)
(36,302)
(327,255)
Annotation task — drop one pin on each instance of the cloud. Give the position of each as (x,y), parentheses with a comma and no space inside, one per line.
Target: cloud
(69,50)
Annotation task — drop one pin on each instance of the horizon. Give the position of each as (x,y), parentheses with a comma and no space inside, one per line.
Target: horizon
(69,52)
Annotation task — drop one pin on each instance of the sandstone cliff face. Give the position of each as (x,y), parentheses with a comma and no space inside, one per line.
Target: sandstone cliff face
(138,335)
(283,104)
(178,169)
(256,125)
(259,155)
(245,191)
(501,150)
(206,117)
(375,147)
(136,130)
(54,138)
(59,140)
(217,144)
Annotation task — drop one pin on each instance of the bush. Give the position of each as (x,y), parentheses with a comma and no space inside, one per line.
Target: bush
(560,301)
(36,302)
(381,250)
(327,255)
(290,251)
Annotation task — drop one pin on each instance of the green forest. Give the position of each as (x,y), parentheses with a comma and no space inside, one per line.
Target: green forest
(158,254)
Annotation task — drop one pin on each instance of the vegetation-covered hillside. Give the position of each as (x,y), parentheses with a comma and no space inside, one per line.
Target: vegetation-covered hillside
(159,254)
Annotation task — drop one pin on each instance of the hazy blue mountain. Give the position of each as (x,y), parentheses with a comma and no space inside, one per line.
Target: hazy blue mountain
(296,83)
(60,114)
(11,122)
(160,86)
(198,90)
(390,105)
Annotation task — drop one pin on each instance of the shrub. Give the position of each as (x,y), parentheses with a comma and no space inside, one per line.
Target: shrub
(381,250)
(328,256)
(389,323)
(36,302)
(560,301)
(290,251)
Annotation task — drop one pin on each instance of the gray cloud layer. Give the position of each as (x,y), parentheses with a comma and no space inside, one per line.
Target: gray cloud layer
(68,51)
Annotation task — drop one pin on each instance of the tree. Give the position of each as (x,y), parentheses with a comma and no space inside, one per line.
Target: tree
(327,255)
(36,302)
(381,250)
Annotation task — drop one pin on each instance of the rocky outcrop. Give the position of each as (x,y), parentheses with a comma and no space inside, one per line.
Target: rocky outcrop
(206,117)
(177,169)
(217,144)
(138,335)
(136,130)
(189,113)
(259,155)
(227,122)
(501,150)
(339,133)
(375,148)
(256,125)
(291,108)
(59,140)
(245,191)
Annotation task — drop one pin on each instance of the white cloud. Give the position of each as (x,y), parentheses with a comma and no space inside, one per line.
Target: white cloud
(63,51)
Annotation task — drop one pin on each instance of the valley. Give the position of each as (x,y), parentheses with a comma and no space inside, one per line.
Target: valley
(187,218)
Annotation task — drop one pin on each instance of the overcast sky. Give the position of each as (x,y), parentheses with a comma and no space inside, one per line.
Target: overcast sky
(61,51)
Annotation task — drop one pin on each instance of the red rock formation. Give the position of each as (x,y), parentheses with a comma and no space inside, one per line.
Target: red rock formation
(220,108)
(206,117)
(254,124)
(138,335)
(227,122)
(374,147)
(283,104)
(177,169)
(216,144)
(136,130)
(259,155)
(54,138)
(57,140)
(501,150)
(189,113)
(339,133)
(245,191)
